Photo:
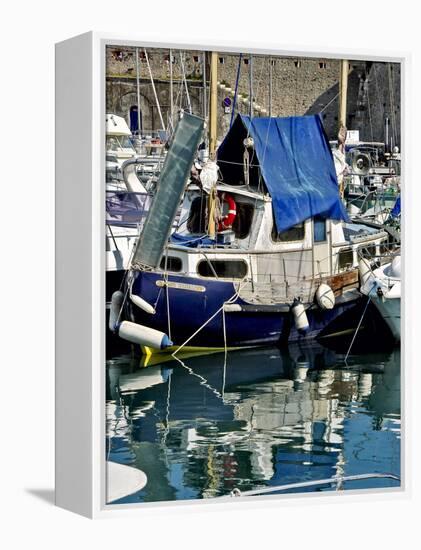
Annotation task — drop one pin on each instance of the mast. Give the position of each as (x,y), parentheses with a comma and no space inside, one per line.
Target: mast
(205,106)
(171,95)
(251,85)
(138,91)
(343,91)
(270,85)
(213,107)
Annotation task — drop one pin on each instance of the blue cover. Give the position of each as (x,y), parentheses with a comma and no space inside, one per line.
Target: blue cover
(396,211)
(293,157)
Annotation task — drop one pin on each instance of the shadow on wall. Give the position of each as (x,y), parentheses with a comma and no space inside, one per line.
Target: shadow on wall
(373,95)
(327,104)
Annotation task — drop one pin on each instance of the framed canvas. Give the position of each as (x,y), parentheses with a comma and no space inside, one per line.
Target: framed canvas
(228,274)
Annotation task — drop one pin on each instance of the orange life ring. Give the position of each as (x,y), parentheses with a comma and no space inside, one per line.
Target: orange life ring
(229,218)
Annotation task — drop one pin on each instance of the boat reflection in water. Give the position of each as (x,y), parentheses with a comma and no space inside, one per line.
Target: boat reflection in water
(202,426)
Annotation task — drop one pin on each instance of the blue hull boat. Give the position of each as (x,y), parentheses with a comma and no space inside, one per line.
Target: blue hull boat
(266,255)
(180,312)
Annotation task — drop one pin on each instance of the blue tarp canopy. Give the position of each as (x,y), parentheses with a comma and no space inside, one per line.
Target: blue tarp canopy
(293,157)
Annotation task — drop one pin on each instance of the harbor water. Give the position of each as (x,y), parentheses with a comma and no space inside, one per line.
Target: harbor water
(201,426)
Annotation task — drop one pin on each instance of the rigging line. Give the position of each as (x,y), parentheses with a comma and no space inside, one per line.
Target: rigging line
(225,353)
(113,238)
(229,301)
(171,94)
(328,104)
(392,93)
(185,82)
(238,163)
(260,79)
(390,99)
(359,324)
(179,92)
(236,89)
(369,112)
(154,89)
(138,91)
(167,291)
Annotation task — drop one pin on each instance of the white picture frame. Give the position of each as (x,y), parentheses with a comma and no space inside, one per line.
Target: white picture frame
(80,271)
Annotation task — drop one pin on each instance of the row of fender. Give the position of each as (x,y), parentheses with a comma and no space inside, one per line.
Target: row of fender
(145,336)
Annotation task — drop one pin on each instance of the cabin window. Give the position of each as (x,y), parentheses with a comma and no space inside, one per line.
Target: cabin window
(172,262)
(197,221)
(294,233)
(345,258)
(319,226)
(226,269)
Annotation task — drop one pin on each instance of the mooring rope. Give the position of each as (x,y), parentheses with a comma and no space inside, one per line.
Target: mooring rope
(229,301)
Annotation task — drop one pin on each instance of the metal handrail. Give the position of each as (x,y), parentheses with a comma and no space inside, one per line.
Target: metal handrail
(337,479)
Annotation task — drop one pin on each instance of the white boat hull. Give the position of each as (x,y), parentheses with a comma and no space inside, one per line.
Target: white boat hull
(383,285)
(390,310)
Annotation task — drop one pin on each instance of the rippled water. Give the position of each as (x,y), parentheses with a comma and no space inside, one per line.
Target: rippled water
(201,426)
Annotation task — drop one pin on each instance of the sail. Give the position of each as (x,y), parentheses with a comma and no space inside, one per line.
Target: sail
(172,181)
(293,157)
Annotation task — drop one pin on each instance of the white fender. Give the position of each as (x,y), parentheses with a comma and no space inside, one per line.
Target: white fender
(325,297)
(300,317)
(144,336)
(116,303)
(365,271)
(142,304)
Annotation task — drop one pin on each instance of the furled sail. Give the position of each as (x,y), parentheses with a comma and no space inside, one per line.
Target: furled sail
(178,162)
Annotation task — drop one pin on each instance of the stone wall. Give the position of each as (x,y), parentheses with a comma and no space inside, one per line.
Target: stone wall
(299,86)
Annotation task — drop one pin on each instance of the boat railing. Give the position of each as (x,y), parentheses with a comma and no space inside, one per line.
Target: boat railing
(124,207)
(336,480)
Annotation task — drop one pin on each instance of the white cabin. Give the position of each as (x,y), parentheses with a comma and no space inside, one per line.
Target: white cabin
(289,263)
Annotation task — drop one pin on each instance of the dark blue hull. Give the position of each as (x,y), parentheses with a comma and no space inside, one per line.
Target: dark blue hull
(250,326)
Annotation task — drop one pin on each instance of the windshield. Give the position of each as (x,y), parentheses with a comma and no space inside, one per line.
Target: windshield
(115,143)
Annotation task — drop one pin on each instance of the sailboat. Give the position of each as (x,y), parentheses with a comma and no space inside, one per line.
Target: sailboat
(265,255)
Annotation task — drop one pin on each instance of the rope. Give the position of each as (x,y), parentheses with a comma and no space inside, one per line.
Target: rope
(167,293)
(229,301)
(224,330)
(358,327)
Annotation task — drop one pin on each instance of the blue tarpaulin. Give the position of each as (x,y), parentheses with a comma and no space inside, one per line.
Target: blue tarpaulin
(293,157)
